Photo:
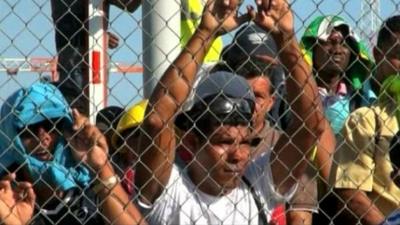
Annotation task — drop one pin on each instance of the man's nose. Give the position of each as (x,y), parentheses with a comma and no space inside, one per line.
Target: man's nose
(44,136)
(336,37)
(236,154)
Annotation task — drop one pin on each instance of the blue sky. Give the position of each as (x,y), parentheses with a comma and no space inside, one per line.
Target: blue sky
(26,30)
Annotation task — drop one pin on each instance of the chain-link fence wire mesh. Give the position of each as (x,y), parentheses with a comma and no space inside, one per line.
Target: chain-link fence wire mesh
(43,40)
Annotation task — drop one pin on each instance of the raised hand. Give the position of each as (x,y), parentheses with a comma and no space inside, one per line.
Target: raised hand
(87,142)
(276,17)
(220,16)
(113,40)
(16,204)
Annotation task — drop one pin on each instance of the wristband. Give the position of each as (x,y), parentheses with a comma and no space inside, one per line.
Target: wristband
(108,184)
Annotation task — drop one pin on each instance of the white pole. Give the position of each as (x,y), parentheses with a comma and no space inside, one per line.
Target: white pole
(161,33)
(97,58)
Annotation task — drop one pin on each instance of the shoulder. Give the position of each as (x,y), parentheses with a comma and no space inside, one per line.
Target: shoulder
(258,164)
(178,182)
(363,113)
(359,130)
(259,176)
(179,185)
(174,204)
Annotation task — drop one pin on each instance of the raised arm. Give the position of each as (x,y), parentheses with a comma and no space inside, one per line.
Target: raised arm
(90,146)
(325,150)
(288,161)
(157,145)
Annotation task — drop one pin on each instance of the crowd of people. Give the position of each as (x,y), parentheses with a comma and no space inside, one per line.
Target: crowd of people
(276,131)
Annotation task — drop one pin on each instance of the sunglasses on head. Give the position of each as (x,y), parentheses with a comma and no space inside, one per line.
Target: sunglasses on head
(228,105)
(223,107)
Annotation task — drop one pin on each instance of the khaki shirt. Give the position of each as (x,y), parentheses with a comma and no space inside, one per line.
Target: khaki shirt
(360,164)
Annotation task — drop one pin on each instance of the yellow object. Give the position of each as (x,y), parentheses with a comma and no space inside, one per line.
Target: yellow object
(132,118)
(361,164)
(313,154)
(190,19)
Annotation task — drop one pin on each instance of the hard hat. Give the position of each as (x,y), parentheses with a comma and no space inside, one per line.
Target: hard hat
(130,119)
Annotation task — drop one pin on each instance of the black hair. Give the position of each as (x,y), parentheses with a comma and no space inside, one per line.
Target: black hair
(109,117)
(388,28)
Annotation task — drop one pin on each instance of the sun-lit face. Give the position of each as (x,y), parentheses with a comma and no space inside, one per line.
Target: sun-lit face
(40,139)
(261,86)
(332,56)
(388,58)
(223,158)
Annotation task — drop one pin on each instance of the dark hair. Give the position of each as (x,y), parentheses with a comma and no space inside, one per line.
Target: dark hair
(108,118)
(394,151)
(388,28)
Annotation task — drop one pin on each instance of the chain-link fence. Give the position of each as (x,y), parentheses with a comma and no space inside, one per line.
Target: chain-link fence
(282,120)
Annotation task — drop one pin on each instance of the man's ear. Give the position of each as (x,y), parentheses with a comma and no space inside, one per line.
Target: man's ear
(272,102)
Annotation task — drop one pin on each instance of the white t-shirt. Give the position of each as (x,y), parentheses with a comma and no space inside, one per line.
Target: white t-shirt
(182,203)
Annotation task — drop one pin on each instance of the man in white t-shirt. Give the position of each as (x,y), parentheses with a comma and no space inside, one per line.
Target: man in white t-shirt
(221,185)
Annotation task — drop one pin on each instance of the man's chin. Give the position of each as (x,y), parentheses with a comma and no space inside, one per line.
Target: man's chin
(231,184)
(335,68)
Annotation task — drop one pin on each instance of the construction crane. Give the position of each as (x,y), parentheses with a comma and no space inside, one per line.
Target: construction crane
(13,66)
(369,21)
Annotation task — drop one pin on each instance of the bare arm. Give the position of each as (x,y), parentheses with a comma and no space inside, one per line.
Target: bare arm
(158,146)
(362,206)
(288,160)
(325,150)
(90,147)
(115,203)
